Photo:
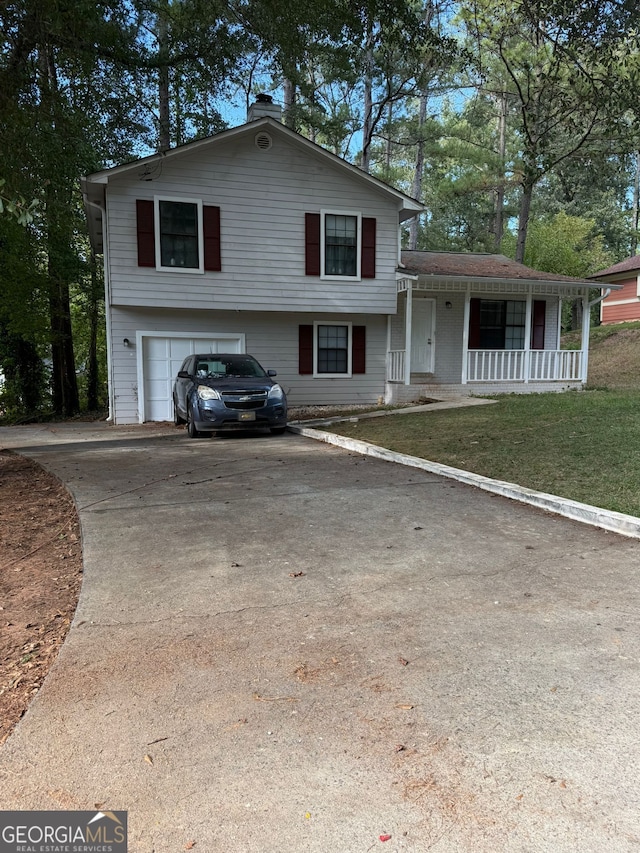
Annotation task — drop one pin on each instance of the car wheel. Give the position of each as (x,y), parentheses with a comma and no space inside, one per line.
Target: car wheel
(278,430)
(191,427)
(177,420)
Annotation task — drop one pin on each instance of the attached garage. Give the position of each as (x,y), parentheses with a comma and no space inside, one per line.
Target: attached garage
(160,355)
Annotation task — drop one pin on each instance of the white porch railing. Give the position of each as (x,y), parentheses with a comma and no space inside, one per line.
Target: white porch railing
(395,365)
(507,365)
(524,365)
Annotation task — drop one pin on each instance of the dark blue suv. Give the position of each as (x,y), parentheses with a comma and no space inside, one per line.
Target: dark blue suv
(216,392)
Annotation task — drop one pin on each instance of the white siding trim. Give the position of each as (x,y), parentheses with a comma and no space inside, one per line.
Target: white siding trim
(610,302)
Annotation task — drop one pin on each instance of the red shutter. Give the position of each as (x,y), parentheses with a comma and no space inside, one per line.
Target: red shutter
(538,315)
(368,252)
(474,324)
(146,233)
(305,349)
(211,231)
(359,349)
(312,243)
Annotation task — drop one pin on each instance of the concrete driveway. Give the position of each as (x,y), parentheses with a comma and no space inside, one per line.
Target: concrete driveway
(283,646)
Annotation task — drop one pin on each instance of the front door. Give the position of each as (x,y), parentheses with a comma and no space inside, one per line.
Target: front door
(422,335)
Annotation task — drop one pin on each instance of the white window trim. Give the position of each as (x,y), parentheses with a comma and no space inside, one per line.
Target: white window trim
(346,375)
(156,219)
(358,217)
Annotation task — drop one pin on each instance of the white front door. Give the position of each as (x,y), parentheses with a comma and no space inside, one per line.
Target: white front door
(162,357)
(422,335)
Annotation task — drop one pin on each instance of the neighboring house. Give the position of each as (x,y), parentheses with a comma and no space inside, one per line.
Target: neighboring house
(258,240)
(623,304)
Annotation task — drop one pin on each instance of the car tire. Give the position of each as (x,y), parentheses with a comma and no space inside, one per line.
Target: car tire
(177,420)
(278,430)
(192,432)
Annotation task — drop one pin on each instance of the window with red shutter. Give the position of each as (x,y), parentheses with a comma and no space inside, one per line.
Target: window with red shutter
(145,227)
(340,245)
(368,256)
(331,349)
(312,243)
(211,236)
(188,235)
(305,349)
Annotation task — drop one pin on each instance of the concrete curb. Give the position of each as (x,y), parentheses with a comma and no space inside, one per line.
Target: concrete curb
(616,522)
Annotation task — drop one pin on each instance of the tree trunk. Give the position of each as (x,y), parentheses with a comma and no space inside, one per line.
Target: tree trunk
(388,151)
(636,206)
(92,359)
(59,240)
(164,127)
(367,127)
(289,103)
(498,228)
(523,220)
(416,187)
(576,315)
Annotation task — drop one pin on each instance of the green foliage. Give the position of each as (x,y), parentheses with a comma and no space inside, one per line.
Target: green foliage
(567,245)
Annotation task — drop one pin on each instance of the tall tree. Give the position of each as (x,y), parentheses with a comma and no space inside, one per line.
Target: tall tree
(564,84)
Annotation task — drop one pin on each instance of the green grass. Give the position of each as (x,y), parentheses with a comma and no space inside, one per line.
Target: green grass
(579,445)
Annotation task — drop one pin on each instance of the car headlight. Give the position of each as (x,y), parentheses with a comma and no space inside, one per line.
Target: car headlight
(276,392)
(206,393)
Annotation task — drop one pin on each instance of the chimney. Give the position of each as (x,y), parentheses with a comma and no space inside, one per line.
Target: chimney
(264,107)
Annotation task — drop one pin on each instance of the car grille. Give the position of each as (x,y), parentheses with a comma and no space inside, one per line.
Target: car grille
(243,400)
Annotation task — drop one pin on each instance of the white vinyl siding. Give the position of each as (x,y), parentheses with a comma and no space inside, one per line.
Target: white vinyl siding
(263,197)
(272,339)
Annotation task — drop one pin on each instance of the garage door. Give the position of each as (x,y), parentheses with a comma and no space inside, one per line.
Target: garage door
(162,357)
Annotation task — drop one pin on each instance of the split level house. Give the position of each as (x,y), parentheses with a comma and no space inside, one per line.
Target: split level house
(257,240)
(622,304)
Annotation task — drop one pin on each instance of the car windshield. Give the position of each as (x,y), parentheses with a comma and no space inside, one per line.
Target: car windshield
(223,366)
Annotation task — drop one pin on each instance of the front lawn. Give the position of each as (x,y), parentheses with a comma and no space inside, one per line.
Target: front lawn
(579,445)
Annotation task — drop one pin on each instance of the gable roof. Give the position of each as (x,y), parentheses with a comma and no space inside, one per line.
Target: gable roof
(477,265)
(93,184)
(631,265)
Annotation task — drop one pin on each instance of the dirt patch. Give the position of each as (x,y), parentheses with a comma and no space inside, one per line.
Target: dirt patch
(40,577)
(615,362)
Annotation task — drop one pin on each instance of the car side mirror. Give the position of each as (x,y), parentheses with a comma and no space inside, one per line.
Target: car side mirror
(272,372)
(183,374)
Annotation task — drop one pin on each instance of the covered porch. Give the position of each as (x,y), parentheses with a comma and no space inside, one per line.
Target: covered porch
(481,331)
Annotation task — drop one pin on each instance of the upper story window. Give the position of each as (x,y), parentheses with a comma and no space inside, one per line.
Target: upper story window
(340,244)
(178,235)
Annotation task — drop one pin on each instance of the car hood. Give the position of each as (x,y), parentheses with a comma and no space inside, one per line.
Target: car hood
(235,383)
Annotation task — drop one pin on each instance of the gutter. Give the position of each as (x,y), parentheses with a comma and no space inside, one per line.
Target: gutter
(600,298)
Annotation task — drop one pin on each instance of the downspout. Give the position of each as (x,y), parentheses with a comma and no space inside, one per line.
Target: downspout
(107,299)
(586,325)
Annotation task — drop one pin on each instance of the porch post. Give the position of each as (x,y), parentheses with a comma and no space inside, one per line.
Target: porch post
(586,325)
(407,335)
(465,336)
(527,338)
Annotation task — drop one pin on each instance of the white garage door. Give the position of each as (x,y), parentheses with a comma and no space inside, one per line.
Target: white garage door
(162,356)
